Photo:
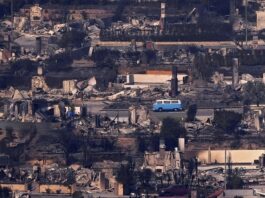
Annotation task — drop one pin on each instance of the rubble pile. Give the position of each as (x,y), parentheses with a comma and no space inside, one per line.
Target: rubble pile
(146,93)
(85,177)
(59,175)
(103,103)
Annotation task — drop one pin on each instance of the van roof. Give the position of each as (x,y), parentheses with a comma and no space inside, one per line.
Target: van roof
(168,100)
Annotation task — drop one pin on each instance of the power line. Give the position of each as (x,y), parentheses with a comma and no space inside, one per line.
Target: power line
(246,21)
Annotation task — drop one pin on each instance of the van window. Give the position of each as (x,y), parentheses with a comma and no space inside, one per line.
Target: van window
(175,101)
(159,102)
(166,102)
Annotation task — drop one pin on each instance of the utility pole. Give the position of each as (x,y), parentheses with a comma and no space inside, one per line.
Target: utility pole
(246,20)
(85,149)
(10,40)
(225,172)
(229,170)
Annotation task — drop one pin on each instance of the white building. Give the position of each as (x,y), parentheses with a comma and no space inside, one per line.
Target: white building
(260,20)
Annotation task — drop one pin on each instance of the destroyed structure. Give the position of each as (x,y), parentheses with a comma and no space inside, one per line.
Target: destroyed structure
(77,89)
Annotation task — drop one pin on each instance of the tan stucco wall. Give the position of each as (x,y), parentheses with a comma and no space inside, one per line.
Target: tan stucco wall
(15,187)
(63,189)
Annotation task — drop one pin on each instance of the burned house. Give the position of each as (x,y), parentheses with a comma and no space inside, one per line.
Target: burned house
(58,13)
(167,24)
(163,160)
(35,15)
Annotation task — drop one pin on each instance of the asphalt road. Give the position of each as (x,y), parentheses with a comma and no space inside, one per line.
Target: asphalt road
(96,107)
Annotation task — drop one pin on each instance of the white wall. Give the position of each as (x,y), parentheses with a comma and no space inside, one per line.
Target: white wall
(237,156)
(260,20)
(156,79)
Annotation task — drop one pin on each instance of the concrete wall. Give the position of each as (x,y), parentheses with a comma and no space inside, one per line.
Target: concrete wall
(246,193)
(68,86)
(260,20)
(54,188)
(156,79)
(15,187)
(237,156)
(119,189)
